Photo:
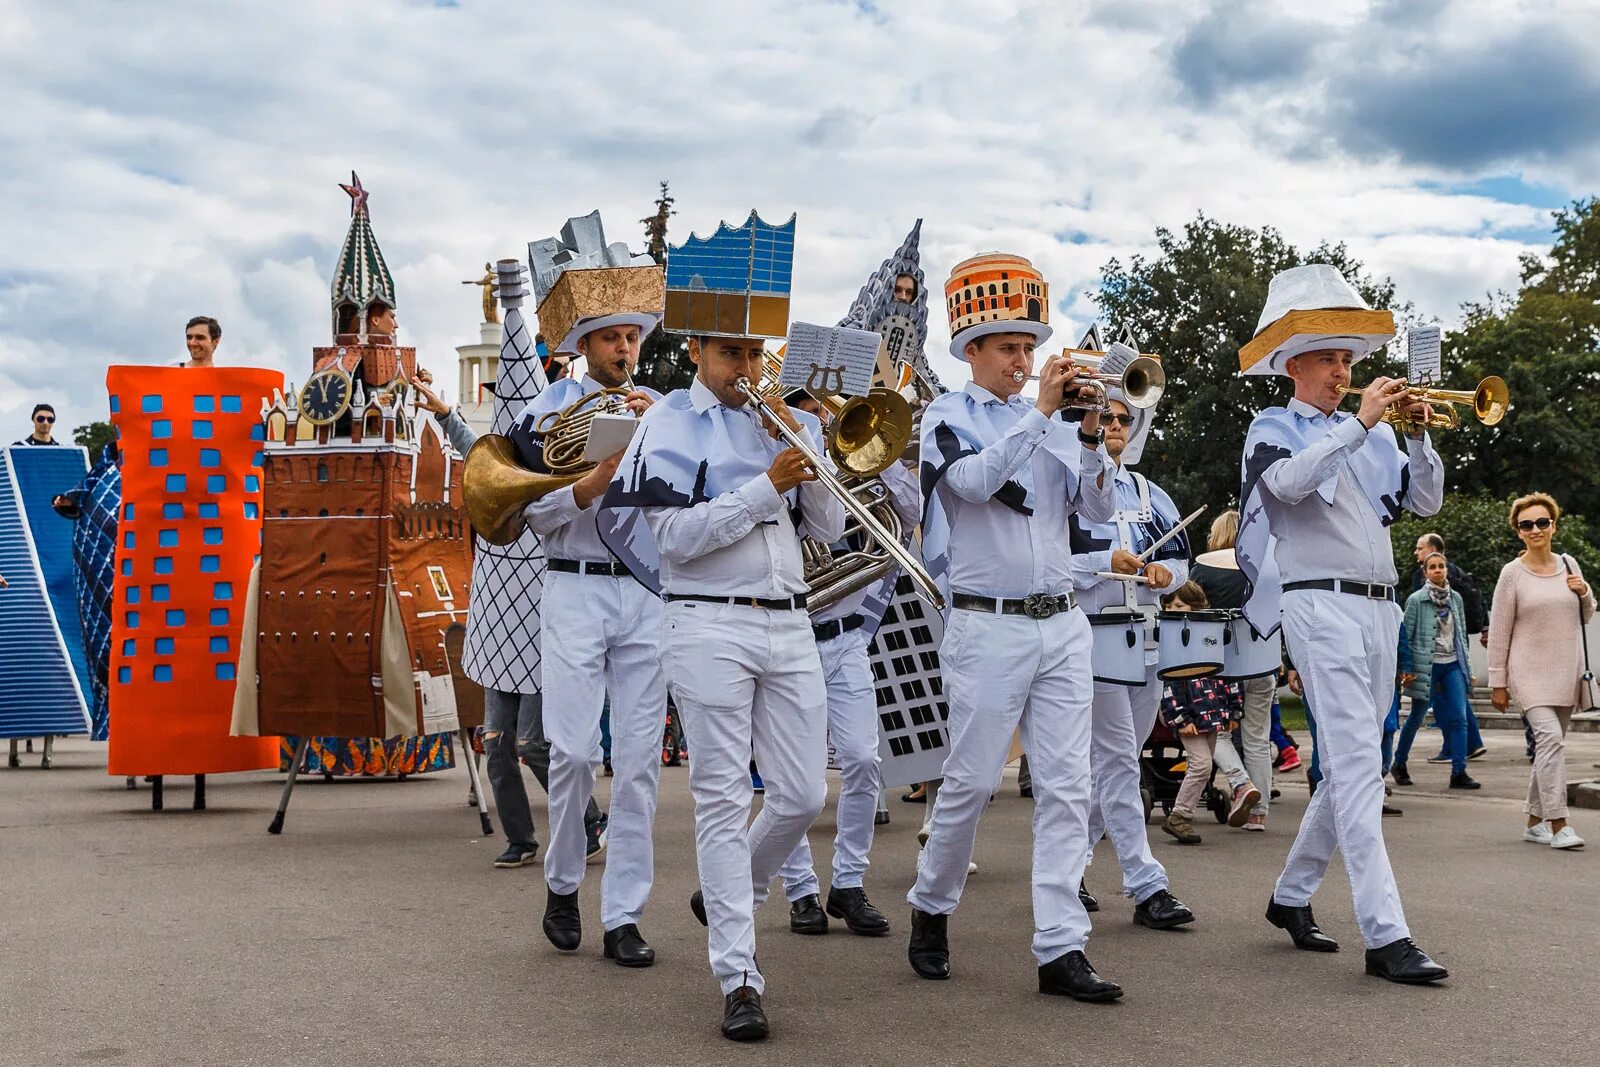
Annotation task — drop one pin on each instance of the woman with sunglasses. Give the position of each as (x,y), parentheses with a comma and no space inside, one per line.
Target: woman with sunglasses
(1535,658)
(44,424)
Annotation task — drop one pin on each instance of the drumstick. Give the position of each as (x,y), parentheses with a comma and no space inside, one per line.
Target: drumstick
(1121,577)
(1144,556)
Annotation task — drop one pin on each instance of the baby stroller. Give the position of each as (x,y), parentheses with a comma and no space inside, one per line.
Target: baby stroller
(1158,782)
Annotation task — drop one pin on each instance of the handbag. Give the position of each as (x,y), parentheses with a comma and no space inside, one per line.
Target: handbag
(1588,691)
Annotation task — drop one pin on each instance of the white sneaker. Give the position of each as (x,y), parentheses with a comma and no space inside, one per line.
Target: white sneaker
(972,865)
(1539,835)
(1566,837)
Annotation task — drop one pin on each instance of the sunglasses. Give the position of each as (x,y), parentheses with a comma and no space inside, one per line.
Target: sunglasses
(44,418)
(1124,421)
(1534,524)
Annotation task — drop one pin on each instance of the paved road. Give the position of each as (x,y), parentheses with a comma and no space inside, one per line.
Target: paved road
(374,931)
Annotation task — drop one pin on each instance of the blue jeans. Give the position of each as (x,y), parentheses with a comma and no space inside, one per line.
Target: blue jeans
(1449,704)
(1474,738)
(1314,770)
(1391,724)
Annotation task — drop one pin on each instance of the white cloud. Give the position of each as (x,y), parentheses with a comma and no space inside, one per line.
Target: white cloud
(187,164)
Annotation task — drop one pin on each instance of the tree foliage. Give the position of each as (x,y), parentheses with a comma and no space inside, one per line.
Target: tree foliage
(663,357)
(94,436)
(1195,303)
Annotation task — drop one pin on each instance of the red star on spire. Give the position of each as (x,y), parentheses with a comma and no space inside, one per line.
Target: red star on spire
(358,195)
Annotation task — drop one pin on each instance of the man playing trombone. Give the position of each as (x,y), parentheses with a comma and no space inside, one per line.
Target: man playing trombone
(1320,488)
(1001,476)
(726,502)
(600,635)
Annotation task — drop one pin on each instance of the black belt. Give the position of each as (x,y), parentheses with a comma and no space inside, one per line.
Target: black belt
(582,566)
(827,631)
(1339,585)
(1034,605)
(793,603)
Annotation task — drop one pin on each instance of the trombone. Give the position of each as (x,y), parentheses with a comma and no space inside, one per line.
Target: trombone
(863,456)
(1143,382)
(1489,402)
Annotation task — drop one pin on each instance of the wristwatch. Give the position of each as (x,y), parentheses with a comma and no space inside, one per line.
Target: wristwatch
(1093,440)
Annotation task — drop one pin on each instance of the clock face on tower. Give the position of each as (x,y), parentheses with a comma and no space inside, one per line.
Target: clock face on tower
(325,396)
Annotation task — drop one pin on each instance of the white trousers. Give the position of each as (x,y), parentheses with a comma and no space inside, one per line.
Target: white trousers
(853,728)
(1002,672)
(746,680)
(1124,715)
(601,635)
(1344,648)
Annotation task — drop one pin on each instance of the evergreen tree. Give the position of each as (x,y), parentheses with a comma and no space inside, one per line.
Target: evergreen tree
(663,357)
(94,436)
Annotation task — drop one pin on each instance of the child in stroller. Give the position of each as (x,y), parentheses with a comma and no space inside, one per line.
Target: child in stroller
(1200,711)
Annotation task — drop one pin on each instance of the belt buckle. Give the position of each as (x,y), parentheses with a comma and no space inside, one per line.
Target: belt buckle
(1377,592)
(1040,606)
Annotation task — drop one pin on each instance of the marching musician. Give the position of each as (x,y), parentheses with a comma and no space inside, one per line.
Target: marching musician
(727,503)
(1001,475)
(599,636)
(843,632)
(1320,488)
(1124,715)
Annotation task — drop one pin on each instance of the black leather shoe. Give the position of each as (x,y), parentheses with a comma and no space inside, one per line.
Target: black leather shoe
(857,911)
(1402,961)
(697,904)
(806,915)
(1074,976)
(1161,911)
(1392,812)
(1302,927)
(929,950)
(1086,898)
(880,817)
(742,1017)
(1399,774)
(561,922)
(628,947)
(1464,781)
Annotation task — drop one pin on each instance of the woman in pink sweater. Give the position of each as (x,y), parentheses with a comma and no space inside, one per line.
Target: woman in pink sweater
(1535,657)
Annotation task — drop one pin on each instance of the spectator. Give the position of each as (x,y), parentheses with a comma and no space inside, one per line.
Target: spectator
(201,335)
(44,425)
(1199,709)
(1477,615)
(1534,658)
(1434,659)
(1216,571)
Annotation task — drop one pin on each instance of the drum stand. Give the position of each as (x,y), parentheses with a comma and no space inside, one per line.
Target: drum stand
(157,797)
(475,792)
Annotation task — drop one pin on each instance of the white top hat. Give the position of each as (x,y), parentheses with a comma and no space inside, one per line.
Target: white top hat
(1314,287)
(642,319)
(1039,331)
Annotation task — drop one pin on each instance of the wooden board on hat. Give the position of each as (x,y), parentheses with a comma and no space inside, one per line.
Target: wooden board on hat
(1377,326)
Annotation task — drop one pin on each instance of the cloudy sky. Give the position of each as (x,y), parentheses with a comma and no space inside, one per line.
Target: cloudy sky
(160,161)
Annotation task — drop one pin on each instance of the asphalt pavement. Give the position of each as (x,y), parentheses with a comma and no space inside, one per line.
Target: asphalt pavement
(374,931)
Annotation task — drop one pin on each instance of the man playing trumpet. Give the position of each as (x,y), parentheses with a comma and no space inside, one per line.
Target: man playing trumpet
(1320,488)
(1001,476)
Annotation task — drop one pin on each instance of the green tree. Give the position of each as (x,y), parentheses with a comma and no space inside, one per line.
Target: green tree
(94,436)
(663,357)
(1544,342)
(1195,303)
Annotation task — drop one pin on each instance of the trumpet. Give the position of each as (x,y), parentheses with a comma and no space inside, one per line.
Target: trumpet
(848,445)
(1489,402)
(1143,382)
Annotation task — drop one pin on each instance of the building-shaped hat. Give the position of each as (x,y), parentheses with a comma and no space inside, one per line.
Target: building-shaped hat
(361,279)
(883,306)
(995,292)
(735,283)
(582,284)
(1310,308)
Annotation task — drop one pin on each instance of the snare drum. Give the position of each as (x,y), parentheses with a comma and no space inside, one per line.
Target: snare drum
(1118,647)
(1191,643)
(1244,655)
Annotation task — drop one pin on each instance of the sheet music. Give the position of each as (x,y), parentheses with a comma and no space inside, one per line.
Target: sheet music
(608,435)
(830,359)
(1117,358)
(1423,360)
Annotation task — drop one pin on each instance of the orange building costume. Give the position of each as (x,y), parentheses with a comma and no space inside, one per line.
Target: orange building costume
(191,442)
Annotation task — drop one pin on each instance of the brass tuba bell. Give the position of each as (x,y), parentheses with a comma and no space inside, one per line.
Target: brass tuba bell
(495,487)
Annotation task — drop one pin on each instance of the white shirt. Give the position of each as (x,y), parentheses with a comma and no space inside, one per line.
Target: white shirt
(905,496)
(1345,539)
(1101,594)
(742,542)
(997,551)
(569,532)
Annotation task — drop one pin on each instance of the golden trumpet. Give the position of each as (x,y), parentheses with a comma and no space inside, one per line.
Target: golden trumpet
(1489,402)
(1142,382)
